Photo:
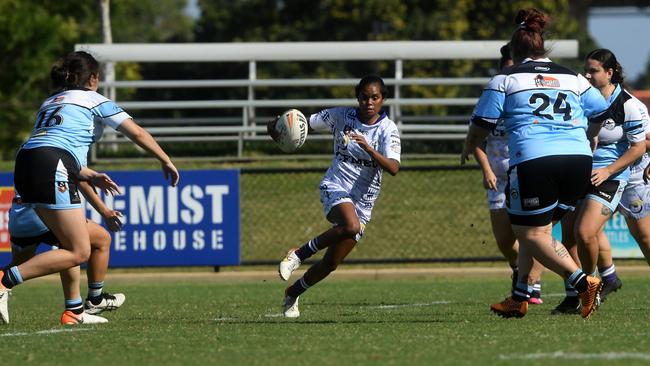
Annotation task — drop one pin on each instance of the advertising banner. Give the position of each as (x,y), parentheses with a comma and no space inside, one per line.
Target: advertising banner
(196,223)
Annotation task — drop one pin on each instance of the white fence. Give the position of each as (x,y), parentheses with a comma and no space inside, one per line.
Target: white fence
(247,126)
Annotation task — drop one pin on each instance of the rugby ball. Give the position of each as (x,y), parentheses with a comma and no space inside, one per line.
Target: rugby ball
(291,130)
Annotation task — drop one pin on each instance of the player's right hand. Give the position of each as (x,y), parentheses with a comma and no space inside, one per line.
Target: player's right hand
(490,181)
(112,219)
(270,128)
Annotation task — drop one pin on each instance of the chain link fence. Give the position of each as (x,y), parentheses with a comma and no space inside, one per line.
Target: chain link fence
(422,215)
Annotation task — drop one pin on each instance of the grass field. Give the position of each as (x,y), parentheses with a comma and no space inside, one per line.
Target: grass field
(416,317)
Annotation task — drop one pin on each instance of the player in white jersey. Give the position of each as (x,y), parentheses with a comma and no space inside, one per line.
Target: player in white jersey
(545,107)
(27,232)
(635,202)
(366,142)
(53,160)
(493,159)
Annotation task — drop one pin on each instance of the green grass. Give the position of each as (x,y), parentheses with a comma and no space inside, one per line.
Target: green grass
(415,320)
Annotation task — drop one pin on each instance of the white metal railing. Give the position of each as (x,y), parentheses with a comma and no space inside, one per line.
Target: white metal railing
(245,127)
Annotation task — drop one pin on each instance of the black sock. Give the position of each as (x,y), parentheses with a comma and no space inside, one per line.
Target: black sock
(297,288)
(578,281)
(308,249)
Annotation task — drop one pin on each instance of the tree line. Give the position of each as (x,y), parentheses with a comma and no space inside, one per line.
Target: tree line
(35,34)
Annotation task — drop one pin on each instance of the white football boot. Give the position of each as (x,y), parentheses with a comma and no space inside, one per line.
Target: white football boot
(4,304)
(70,318)
(109,302)
(290,308)
(289,263)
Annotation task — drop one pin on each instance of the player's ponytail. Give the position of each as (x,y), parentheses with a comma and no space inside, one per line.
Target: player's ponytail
(527,39)
(609,61)
(75,71)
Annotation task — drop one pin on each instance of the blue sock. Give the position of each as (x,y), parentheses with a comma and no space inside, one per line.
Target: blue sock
(12,277)
(74,305)
(308,249)
(297,288)
(95,289)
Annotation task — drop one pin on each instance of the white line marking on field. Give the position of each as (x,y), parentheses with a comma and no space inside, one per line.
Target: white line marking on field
(416,305)
(277,315)
(579,356)
(224,319)
(48,331)
(555,294)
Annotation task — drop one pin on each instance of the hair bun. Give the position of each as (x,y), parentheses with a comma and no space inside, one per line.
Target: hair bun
(531,20)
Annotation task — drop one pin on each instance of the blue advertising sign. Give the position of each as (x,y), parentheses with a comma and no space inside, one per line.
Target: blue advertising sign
(195,223)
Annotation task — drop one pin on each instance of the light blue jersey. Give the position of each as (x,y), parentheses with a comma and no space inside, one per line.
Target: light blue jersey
(67,121)
(627,123)
(545,107)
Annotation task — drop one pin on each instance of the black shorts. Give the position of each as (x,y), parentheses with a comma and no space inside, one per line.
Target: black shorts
(47,177)
(45,238)
(608,193)
(542,190)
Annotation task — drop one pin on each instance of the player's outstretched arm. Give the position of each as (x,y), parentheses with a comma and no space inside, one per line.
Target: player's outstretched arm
(144,139)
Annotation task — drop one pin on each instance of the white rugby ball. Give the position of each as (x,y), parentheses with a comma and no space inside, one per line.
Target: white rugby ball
(292,130)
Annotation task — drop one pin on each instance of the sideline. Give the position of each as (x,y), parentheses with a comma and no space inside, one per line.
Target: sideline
(140,275)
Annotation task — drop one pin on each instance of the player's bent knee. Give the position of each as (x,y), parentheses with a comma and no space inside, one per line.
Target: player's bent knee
(330,266)
(350,230)
(81,256)
(101,241)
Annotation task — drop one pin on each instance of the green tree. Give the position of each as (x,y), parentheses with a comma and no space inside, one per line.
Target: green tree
(34,34)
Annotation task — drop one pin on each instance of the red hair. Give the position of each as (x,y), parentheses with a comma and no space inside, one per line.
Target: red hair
(527,40)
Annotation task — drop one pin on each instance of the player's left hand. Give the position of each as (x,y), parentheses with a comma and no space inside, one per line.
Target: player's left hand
(170,172)
(598,176)
(360,140)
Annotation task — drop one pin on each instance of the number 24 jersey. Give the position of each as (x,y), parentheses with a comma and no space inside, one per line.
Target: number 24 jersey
(545,108)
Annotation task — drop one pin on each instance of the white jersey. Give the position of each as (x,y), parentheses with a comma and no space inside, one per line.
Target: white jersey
(636,169)
(67,121)
(352,168)
(496,149)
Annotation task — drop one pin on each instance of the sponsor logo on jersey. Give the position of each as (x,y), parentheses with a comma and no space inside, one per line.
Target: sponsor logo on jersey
(609,124)
(62,186)
(514,194)
(531,202)
(636,206)
(542,68)
(606,196)
(546,81)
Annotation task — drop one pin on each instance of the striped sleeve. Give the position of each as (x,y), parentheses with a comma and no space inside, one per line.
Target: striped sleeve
(636,120)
